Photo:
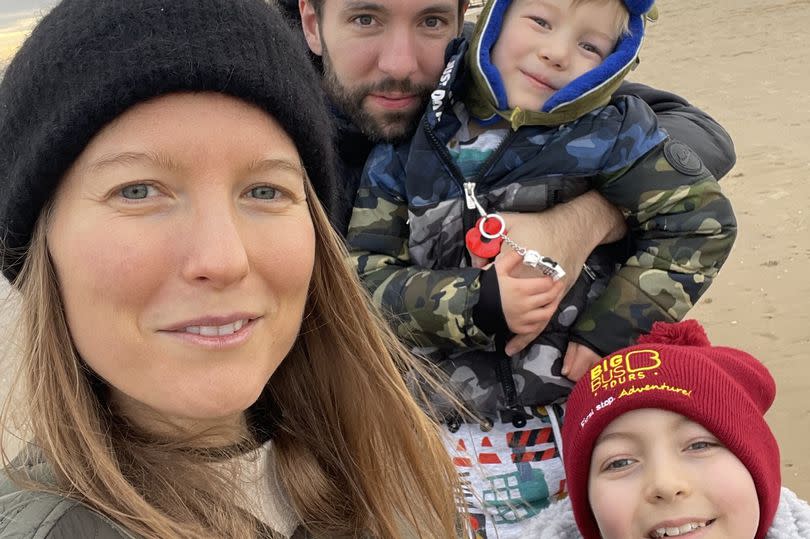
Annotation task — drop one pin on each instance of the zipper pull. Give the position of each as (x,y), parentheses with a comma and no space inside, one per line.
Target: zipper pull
(472,200)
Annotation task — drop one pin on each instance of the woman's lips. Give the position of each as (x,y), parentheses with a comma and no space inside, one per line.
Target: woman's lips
(210,334)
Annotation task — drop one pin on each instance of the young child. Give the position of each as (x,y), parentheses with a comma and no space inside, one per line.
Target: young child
(520,123)
(668,438)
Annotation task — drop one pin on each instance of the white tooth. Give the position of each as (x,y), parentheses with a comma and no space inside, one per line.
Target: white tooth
(193,329)
(686,528)
(227,329)
(673,532)
(209,331)
(660,532)
(238,325)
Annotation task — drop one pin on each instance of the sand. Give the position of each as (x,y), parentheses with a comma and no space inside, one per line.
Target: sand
(741,61)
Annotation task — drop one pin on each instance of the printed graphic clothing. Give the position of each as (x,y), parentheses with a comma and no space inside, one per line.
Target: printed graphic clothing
(510,474)
(407,231)
(792,520)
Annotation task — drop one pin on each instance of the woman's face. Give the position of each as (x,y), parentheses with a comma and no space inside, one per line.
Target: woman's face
(184,250)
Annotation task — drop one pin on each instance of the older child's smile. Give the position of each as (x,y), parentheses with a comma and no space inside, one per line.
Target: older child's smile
(691,528)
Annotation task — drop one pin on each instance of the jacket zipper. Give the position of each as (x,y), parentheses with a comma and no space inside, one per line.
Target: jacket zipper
(469,216)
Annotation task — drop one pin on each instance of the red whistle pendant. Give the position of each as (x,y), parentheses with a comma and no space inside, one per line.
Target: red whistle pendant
(479,245)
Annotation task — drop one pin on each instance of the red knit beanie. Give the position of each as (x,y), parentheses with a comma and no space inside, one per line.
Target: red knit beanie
(676,368)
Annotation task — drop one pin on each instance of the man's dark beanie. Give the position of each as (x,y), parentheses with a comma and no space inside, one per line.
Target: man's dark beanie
(88,61)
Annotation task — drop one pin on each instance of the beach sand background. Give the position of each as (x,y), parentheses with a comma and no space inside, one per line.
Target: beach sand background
(743,61)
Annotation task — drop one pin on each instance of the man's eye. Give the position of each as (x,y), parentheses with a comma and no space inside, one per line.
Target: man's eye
(137,191)
(364,20)
(264,192)
(434,22)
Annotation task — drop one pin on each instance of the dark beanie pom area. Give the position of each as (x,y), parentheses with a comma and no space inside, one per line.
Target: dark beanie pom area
(88,61)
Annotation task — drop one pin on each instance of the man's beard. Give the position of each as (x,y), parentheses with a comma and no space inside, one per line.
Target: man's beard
(391,127)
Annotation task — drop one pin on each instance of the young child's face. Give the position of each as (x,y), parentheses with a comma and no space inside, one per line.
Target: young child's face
(545,44)
(655,473)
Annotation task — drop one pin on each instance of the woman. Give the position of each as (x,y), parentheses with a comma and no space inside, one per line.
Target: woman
(197,360)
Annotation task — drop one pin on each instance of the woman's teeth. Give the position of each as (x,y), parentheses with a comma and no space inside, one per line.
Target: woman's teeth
(216,331)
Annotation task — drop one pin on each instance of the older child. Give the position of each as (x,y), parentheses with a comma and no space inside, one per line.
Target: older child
(532,129)
(668,438)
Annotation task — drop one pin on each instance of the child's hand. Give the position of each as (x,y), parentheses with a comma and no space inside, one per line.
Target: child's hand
(478,262)
(578,360)
(528,303)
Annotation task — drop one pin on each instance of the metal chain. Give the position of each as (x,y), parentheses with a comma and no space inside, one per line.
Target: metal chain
(511,243)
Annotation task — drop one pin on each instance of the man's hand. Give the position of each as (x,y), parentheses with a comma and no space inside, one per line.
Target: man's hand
(578,360)
(568,232)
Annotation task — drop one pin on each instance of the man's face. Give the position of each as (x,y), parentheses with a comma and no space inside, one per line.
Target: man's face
(381,58)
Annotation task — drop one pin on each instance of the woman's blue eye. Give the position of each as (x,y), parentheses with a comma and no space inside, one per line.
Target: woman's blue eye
(137,191)
(263,192)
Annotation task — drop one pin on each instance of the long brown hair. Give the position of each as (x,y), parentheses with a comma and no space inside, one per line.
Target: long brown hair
(355,453)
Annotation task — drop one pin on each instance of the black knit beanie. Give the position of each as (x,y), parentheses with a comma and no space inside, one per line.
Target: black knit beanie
(88,61)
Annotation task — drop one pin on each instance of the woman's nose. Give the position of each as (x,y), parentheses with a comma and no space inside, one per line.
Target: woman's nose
(215,249)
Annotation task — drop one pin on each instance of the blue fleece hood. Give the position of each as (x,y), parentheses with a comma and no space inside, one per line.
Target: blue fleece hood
(591,90)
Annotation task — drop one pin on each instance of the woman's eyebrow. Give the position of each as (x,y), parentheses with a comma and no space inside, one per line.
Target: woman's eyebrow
(274,164)
(129,158)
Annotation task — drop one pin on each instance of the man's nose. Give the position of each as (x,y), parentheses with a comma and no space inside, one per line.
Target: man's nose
(215,253)
(398,57)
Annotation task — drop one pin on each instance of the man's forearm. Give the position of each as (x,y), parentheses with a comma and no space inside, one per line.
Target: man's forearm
(589,220)
(568,232)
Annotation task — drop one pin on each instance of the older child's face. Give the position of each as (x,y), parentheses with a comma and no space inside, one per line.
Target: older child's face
(655,473)
(545,44)
(184,249)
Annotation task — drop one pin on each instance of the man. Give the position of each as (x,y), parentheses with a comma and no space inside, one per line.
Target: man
(381,59)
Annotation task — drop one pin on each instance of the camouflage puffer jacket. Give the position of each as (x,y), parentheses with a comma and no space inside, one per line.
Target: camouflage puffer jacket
(406,234)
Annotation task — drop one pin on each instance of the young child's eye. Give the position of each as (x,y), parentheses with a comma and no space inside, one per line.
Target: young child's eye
(543,23)
(593,49)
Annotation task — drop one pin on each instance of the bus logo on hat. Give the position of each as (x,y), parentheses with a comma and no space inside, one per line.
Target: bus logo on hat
(622,369)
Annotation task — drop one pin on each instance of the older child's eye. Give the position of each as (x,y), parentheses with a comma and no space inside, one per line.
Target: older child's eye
(618,464)
(702,445)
